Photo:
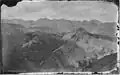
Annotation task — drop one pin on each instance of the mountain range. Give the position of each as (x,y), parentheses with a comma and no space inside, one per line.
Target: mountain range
(62,25)
(50,34)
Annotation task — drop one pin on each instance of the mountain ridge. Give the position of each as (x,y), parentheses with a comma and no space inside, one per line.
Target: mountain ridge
(63,25)
(44,38)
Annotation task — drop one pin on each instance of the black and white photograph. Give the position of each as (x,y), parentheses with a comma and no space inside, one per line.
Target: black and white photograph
(59,36)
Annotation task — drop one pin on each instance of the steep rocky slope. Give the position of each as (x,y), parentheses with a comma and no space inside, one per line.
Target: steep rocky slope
(97,46)
(92,42)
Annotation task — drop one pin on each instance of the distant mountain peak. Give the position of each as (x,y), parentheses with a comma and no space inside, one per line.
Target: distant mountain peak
(81,33)
(81,30)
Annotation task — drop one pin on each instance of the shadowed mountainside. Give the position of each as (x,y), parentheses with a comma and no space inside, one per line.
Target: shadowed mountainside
(105,64)
(37,52)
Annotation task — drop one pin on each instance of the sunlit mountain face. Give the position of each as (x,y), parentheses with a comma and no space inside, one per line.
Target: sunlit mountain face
(57,45)
(93,42)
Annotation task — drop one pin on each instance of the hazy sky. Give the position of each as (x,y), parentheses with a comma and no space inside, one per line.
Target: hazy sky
(69,10)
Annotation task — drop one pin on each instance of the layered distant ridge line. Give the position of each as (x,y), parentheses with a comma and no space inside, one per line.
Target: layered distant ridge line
(63,25)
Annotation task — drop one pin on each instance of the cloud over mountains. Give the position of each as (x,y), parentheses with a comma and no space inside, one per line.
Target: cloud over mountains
(67,10)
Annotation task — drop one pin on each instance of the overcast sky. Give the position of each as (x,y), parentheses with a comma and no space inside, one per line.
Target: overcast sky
(68,10)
